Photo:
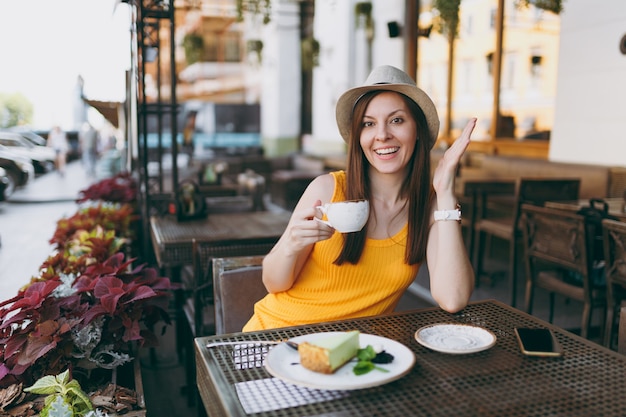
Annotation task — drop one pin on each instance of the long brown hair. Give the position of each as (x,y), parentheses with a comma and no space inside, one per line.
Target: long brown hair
(416,187)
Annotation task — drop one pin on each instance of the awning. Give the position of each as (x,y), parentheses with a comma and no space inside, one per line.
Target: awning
(109,109)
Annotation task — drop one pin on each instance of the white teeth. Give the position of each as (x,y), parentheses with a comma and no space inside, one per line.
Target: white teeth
(386,151)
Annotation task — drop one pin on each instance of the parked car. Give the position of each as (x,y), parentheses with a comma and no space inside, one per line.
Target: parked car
(32,137)
(19,170)
(42,157)
(4,184)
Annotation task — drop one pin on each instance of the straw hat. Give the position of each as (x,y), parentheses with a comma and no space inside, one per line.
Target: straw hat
(387,78)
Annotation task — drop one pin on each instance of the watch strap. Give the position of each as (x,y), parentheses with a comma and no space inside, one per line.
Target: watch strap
(443,215)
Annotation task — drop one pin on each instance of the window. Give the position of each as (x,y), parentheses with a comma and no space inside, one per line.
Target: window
(223,47)
(535,65)
(492,18)
(489,58)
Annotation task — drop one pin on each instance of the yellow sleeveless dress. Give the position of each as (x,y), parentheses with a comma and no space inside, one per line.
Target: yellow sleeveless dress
(325,291)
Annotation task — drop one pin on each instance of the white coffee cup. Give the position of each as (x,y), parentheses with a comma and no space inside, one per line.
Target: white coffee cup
(346,216)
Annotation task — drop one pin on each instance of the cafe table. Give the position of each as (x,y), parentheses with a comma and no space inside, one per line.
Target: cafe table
(173,239)
(587,380)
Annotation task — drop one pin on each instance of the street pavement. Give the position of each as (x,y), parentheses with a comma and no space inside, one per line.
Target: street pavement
(28,220)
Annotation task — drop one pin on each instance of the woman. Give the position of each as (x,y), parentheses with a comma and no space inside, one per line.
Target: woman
(315,274)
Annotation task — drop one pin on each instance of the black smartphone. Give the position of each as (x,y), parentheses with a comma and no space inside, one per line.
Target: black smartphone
(538,342)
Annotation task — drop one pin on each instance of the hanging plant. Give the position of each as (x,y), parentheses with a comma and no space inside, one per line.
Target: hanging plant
(254,7)
(255,45)
(193,44)
(310,52)
(554,6)
(448,20)
(363,9)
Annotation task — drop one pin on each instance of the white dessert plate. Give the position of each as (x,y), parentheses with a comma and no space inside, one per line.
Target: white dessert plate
(284,363)
(455,338)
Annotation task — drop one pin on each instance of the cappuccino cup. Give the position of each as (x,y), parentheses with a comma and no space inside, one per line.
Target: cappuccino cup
(346,216)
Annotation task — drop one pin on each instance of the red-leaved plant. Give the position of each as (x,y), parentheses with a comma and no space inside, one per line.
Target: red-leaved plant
(122,188)
(84,322)
(88,303)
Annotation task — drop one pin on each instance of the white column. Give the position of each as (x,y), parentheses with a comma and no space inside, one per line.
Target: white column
(281,79)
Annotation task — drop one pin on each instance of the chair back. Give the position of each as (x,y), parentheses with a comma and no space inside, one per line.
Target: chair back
(621,338)
(536,191)
(557,239)
(614,241)
(238,285)
(202,286)
(614,238)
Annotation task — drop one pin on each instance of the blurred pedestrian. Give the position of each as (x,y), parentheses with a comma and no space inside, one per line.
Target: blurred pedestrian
(57,140)
(109,157)
(189,132)
(88,140)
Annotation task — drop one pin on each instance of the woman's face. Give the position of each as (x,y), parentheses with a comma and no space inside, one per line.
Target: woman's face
(388,133)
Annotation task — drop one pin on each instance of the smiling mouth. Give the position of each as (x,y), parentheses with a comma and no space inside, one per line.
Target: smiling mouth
(387,151)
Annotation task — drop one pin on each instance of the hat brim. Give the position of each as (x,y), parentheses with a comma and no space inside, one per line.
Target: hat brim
(346,103)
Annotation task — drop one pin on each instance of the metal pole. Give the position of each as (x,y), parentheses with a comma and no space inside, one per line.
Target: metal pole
(497,70)
(411,18)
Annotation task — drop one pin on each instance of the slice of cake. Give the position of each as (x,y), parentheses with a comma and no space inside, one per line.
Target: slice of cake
(327,354)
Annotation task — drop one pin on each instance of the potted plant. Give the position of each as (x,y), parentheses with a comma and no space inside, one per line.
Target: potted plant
(310,52)
(88,308)
(255,46)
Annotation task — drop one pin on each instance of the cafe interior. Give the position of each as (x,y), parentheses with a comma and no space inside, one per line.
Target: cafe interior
(546,239)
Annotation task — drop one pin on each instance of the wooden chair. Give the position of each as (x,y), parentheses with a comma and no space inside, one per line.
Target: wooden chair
(557,257)
(238,286)
(534,191)
(614,240)
(473,194)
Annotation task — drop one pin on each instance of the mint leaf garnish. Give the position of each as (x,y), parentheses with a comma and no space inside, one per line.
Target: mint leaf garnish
(367,358)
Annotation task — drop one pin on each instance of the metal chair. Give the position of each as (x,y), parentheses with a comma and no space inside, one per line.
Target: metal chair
(198,307)
(473,196)
(557,247)
(614,240)
(237,286)
(621,345)
(534,191)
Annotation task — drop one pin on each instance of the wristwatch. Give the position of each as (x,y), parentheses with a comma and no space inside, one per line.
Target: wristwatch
(443,215)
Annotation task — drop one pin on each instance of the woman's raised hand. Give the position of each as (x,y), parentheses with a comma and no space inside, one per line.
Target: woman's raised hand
(443,178)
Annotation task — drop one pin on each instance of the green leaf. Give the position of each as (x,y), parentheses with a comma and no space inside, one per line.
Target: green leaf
(63,377)
(362,367)
(366,359)
(366,354)
(81,399)
(44,386)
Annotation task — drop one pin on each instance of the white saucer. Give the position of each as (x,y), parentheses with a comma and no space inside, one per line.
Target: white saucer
(455,338)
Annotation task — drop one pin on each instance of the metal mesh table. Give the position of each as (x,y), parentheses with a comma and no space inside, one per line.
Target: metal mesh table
(588,380)
(172,239)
